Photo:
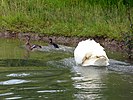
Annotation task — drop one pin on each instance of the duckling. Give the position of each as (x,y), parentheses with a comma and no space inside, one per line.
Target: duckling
(31,47)
(54,44)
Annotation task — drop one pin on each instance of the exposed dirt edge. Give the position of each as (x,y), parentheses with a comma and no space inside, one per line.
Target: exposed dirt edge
(107,43)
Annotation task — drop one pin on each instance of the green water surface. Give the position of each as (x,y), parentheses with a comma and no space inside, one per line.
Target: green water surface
(28,76)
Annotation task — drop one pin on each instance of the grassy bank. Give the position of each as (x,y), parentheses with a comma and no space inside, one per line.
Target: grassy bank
(106,18)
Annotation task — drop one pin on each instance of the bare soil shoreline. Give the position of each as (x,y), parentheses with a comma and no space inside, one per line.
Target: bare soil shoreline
(107,43)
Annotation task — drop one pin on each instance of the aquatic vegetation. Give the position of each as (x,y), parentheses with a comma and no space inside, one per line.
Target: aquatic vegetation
(128,36)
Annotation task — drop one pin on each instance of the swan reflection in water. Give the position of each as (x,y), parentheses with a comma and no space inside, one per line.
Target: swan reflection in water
(99,82)
(89,82)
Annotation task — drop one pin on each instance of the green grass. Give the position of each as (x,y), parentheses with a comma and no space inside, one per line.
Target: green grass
(89,18)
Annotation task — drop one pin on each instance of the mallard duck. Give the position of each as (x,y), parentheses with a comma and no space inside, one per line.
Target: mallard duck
(31,47)
(54,44)
(89,52)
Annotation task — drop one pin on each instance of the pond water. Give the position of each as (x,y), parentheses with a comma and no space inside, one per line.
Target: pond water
(50,74)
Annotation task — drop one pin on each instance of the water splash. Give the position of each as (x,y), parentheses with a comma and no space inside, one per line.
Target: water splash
(61,48)
(120,66)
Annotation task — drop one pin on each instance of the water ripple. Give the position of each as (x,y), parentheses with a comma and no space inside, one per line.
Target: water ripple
(50,91)
(120,66)
(13,82)
(5,94)
(18,75)
(13,98)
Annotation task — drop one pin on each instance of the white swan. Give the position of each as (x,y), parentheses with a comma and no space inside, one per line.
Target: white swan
(89,52)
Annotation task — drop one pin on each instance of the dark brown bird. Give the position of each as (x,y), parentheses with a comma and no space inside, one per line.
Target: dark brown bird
(29,46)
(54,44)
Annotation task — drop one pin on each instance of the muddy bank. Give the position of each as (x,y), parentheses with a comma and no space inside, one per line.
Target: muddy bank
(107,43)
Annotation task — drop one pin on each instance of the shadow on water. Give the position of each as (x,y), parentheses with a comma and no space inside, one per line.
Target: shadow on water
(21,62)
(34,79)
(36,84)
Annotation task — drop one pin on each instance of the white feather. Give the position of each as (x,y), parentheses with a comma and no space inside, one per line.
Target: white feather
(89,52)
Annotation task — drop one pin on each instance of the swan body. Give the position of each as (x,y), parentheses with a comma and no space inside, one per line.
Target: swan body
(89,52)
